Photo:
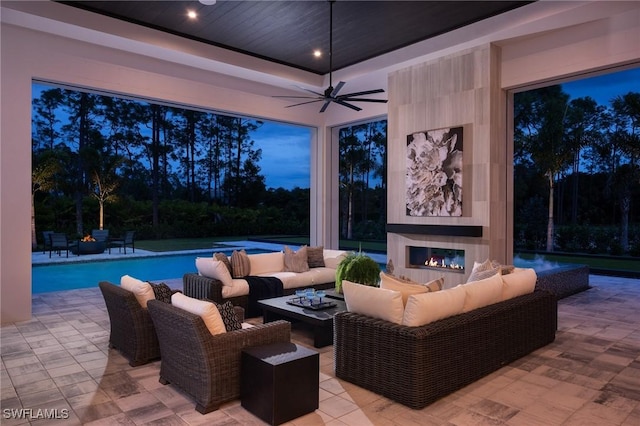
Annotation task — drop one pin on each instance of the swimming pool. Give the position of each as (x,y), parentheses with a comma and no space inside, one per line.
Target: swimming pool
(68,276)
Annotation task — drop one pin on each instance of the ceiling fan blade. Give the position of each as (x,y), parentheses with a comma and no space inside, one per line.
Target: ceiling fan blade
(299,97)
(335,91)
(343,103)
(303,103)
(382,101)
(311,91)
(366,92)
(324,107)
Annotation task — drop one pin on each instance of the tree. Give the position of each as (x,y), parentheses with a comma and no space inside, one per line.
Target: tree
(539,121)
(104,186)
(42,179)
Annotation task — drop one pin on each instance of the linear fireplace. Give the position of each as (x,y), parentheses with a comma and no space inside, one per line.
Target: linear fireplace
(435,258)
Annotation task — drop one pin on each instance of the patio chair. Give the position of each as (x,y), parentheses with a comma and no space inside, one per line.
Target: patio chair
(132,331)
(122,243)
(58,242)
(206,366)
(46,241)
(100,235)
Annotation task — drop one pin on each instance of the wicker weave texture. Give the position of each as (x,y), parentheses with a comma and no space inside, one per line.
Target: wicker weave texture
(564,281)
(204,366)
(132,331)
(416,366)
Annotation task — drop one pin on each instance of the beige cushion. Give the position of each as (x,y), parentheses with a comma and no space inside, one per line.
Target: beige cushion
(425,308)
(263,263)
(216,269)
(141,289)
(373,301)
(518,282)
(483,292)
(240,264)
(205,310)
(295,261)
(333,257)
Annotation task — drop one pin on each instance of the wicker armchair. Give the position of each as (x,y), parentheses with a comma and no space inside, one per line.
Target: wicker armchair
(132,331)
(416,366)
(206,366)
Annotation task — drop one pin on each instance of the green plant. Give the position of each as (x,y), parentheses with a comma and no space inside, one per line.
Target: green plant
(357,268)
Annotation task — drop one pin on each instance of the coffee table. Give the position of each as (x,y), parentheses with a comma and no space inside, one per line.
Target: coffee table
(320,320)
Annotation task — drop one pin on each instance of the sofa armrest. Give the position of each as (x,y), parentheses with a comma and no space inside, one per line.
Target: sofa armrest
(201,287)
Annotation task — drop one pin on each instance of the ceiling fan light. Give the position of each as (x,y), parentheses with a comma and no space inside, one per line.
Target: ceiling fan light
(208,2)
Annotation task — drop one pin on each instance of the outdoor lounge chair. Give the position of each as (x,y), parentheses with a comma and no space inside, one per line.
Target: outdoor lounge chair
(122,243)
(59,242)
(132,331)
(46,241)
(206,366)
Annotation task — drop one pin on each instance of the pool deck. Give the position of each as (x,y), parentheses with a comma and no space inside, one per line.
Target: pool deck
(39,258)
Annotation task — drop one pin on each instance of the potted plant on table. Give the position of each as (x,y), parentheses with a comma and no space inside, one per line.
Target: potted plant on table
(358,268)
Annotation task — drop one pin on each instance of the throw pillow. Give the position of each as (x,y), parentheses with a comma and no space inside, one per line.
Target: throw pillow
(435,285)
(425,308)
(504,269)
(142,290)
(240,265)
(373,301)
(519,282)
(162,292)
(215,269)
(295,261)
(205,310)
(224,259)
(405,288)
(483,292)
(229,317)
(482,270)
(315,257)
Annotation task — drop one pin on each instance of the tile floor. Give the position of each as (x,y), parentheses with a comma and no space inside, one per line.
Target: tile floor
(59,361)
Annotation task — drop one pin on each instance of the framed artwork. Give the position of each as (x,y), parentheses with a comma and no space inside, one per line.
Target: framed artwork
(434,172)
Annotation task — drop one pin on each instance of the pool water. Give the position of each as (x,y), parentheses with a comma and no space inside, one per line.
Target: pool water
(68,276)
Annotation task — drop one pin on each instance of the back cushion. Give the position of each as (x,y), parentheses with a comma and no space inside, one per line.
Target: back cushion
(373,301)
(518,282)
(205,310)
(333,257)
(483,292)
(141,289)
(266,262)
(425,308)
(216,269)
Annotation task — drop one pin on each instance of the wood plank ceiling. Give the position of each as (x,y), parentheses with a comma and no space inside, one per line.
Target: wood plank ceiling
(287,32)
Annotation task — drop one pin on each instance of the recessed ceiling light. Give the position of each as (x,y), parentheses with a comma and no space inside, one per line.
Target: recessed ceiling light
(191,14)
(317,53)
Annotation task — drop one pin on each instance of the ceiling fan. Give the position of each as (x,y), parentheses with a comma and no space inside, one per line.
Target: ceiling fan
(331,93)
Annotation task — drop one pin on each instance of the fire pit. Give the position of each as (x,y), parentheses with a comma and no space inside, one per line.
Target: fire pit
(88,245)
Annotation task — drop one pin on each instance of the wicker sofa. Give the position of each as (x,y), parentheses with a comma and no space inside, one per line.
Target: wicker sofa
(200,286)
(416,366)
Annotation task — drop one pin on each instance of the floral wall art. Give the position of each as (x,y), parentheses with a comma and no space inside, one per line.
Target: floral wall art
(434,173)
